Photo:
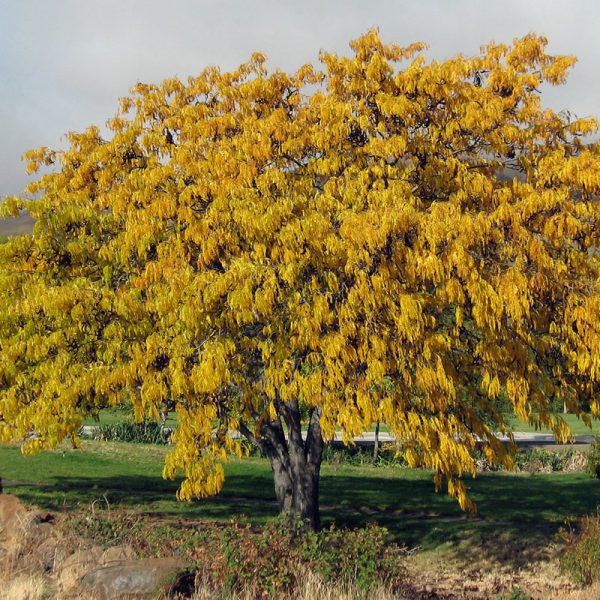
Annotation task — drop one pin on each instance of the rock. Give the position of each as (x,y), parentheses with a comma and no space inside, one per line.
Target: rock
(18,524)
(75,567)
(12,513)
(50,553)
(116,554)
(27,537)
(131,579)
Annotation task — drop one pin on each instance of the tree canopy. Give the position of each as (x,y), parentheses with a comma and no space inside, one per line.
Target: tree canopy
(379,238)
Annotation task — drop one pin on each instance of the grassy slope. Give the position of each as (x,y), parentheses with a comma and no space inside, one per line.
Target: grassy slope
(577,425)
(111,416)
(129,477)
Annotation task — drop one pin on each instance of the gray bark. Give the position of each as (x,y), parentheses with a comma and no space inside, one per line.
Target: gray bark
(296,464)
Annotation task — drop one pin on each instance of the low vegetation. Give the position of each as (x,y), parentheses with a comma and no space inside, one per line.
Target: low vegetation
(241,557)
(146,432)
(594,458)
(112,493)
(581,559)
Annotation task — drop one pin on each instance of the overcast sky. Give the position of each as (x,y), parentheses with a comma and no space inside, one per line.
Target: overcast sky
(64,63)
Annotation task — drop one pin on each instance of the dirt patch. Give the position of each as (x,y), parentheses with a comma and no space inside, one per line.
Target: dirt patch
(478,574)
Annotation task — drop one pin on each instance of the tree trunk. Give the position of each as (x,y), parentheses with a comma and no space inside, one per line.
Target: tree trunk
(297,492)
(296,465)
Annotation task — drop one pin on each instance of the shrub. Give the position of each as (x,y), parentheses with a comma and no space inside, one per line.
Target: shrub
(581,558)
(363,557)
(594,458)
(535,460)
(149,538)
(270,562)
(359,456)
(538,460)
(260,561)
(104,527)
(516,593)
(146,432)
(349,455)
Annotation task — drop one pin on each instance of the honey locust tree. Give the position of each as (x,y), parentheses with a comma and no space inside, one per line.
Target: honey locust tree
(379,238)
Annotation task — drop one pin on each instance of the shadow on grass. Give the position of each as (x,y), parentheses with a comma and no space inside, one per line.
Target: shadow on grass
(405,503)
(148,494)
(518,515)
(499,497)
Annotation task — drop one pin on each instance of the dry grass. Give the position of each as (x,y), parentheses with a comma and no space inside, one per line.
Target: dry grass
(533,573)
(589,593)
(15,545)
(313,588)
(25,587)
(35,587)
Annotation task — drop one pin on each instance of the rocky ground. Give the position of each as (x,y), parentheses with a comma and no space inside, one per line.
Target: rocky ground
(33,543)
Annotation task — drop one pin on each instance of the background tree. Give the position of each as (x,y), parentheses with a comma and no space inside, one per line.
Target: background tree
(351,242)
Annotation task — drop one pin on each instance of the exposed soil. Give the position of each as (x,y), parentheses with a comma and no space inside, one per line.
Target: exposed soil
(475,575)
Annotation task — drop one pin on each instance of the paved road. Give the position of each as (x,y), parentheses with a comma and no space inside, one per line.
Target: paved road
(368,438)
(521,439)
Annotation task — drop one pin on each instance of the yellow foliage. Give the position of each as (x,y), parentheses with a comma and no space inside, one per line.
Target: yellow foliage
(380,238)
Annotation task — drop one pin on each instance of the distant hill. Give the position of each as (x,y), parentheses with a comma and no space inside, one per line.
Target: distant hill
(16,225)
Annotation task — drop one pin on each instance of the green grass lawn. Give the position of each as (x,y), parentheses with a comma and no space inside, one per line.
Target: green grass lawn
(577,425)
(110,416)
(128,476)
